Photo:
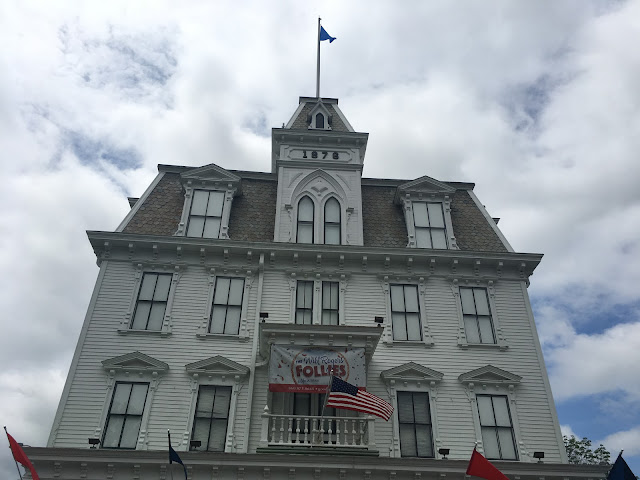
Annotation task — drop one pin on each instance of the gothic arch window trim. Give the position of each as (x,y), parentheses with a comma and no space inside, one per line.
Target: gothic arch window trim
(330,222)
(305,220)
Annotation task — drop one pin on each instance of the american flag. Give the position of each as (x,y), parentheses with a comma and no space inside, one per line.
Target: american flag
(345,395)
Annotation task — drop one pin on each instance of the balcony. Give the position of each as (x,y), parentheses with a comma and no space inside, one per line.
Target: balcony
(348,435)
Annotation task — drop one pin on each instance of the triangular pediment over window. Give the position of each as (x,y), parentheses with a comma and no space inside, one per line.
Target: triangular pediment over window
(425,185)
(411,371)
(218,366)
(490,375)
(135,362)
(211,175)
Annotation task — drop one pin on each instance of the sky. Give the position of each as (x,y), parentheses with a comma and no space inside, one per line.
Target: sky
(537,103)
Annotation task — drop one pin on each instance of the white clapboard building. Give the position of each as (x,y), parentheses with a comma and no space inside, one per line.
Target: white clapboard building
(225,298)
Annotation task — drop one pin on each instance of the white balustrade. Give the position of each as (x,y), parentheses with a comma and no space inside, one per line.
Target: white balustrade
(310,430)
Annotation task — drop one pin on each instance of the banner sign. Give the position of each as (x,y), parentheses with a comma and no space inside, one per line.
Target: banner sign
(308,369)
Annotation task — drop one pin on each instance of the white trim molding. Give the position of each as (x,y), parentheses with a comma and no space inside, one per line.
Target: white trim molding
(210,178)
(412,377)
(214,272)
(131,367)
(317,279)
(216,371)
(427,190)
(385,282)
(489,285)
(490,380)
(176,272)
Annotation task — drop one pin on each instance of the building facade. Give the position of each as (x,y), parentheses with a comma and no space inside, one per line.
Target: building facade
(226,298)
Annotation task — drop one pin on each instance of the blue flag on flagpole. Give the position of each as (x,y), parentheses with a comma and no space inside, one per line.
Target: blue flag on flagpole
(325,36)
(174,457)
(620,470)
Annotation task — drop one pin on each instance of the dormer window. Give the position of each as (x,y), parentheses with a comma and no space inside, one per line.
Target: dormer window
(206,214)
(319,120)
(305,220)
(429,225)
(332,222)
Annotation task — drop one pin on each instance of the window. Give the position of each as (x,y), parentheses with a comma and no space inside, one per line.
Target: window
(227,306)
(428,220)
(152,301)
(332,227)
(496,426)
(405,313)
(330,303)
(319,120)
(125,415)
(206,214)
(211,417)
(414,418)
(477,315)
(305,221)
(304,303)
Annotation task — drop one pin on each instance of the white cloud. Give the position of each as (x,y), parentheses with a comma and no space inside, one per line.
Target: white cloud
(627,440)
(567,431)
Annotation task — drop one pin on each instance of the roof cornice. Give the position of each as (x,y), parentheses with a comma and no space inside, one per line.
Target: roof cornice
(106,242)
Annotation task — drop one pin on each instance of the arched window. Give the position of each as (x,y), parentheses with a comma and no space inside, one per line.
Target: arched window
(305,221)
(332,222)
(319,120)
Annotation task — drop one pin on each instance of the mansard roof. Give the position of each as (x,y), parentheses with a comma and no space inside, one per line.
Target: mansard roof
(253,211)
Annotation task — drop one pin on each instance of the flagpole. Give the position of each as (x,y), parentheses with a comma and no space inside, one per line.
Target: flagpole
(170,464)
(14,458)
(318,68)
(326,399)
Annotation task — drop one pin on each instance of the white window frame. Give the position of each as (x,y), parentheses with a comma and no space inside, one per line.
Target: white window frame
(314,221)
(317,279)
(145,369)
(247,276)
(489,286)
(220,372)
(167,324)
(411,377)
(386,282)
(490,380)
(321,222)
(318,219)
(407,203)
(229,192)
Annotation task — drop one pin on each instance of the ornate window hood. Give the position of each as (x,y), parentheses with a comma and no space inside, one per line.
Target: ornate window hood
(319,336)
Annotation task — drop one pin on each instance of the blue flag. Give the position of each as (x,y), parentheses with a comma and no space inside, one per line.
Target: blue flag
(325,36)
(620,470)
(174,457)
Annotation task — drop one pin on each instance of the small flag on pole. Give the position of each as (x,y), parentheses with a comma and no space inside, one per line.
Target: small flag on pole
(21,457)
(483,468)
(325,36)
(345,395)
(620,470)
(174,457)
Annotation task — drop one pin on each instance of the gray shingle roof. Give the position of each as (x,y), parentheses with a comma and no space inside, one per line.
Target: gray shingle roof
(253,215)
(470,227)
(382,220)
(301,123)
(161,211)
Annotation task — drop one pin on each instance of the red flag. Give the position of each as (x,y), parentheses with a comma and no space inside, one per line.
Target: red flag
(481,467)
(20,456)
